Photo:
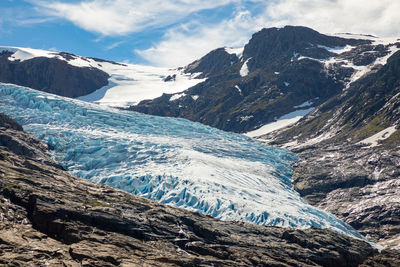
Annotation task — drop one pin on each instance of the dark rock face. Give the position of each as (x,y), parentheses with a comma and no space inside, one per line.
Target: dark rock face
(213,63)
(52,218)
(336,172)
(286,69)
(52,75)
(272,47)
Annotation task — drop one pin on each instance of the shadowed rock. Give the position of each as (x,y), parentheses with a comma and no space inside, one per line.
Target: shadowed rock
(52,75)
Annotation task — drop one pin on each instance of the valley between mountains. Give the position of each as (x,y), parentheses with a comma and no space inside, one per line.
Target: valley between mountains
(294,132)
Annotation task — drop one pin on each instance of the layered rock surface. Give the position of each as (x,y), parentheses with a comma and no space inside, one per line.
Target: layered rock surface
(52,218)
(350,154)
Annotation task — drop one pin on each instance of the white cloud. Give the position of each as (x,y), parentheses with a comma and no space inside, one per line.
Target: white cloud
(121,17)
(189,42)
(184,44)
(379,17)
(114,45)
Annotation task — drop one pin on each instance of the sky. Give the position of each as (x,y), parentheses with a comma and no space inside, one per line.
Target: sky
(173,33)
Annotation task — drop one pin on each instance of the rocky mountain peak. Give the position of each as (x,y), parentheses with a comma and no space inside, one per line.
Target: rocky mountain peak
(272,47)
(49,72)
(213,63)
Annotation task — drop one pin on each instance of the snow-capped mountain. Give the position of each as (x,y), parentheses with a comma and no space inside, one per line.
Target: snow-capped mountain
(90,79)
(337,93)
(348,143)
(173,161)
(278,77)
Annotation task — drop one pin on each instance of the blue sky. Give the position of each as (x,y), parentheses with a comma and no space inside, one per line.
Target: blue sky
(175,32)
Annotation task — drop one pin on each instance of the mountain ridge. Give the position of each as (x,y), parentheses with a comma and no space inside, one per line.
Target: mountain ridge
(279,70)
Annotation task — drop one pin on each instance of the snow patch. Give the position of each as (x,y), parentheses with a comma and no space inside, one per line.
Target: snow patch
(337,49)
(373,141)
(311,58)
(286,84)
(235,51)
(195,97)
(360,71)
(244,71)
(176,97)
(238,88)
(282,122)
(246,118)
(305,104)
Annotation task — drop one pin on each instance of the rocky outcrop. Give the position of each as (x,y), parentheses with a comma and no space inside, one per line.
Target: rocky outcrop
(52,75)
(360,186)
(52,218)
(213,63)
(280,69)
(339,170)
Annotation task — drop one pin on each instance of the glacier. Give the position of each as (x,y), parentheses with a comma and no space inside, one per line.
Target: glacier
(173,161)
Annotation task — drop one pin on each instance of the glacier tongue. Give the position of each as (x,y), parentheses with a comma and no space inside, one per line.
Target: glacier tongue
(174,161)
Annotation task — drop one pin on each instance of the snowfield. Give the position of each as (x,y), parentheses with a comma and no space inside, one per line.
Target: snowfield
(128,85)
(282,122)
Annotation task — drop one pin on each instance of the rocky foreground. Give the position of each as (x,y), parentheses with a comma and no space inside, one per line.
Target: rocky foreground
(49,217)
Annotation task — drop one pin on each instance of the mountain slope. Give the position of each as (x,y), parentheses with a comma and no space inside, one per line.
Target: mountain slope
(90,79)
(280,72)
(52,218)
(49,74)
(350,156)
(173,161)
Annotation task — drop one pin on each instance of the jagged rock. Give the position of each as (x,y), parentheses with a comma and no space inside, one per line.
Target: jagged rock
(51,218)
(338,171)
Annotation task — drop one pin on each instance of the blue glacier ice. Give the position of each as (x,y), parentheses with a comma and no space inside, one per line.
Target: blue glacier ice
(173,161)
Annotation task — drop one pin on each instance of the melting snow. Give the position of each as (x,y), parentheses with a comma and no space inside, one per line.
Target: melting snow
(235,51)
(238,88)
(373,141)
(360,71)
(177,96)
(244,71)
(338,49)
(305,104)
(282,122)
(246,118)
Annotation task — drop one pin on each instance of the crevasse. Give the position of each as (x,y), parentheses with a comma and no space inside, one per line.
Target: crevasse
(173,161)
